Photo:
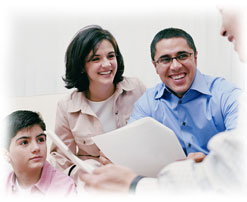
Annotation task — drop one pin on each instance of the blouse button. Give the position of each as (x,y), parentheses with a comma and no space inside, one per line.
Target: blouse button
(116,113)
(13,188)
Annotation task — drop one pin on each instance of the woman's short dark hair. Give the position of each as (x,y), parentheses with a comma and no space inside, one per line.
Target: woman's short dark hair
(171,33)
(86,40)
(19,120)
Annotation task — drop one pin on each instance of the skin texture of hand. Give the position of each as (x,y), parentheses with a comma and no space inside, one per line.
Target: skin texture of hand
(103,159)
(109,178)
(197,156)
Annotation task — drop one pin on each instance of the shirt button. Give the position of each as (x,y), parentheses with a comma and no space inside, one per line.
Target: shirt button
(184,123)
(180,102)
(116,113)
(189,145)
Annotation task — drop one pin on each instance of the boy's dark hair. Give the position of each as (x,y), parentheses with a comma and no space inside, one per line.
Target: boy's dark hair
(85,41)
(171,33)
(19,120)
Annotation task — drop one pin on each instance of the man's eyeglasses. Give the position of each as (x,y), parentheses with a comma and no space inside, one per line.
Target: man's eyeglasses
(166,60)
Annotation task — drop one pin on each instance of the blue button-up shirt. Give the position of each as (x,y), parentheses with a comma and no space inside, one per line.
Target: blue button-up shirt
(207,108)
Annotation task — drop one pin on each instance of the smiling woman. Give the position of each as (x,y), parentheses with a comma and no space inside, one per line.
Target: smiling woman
(101,69)
(103,99)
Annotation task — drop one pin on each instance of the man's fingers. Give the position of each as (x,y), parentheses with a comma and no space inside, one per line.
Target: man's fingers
(197,156)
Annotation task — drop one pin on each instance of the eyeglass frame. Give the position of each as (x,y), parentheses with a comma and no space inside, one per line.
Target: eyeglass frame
(171,58)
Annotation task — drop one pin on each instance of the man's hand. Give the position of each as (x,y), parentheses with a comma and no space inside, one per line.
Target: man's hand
(109,178)
(196,156)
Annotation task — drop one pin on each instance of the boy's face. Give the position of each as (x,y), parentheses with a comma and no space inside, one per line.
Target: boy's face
(28,150)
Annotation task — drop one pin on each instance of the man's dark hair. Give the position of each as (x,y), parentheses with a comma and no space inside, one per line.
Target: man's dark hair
(171,33)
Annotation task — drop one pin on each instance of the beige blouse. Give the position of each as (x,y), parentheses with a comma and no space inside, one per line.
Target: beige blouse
(76,123)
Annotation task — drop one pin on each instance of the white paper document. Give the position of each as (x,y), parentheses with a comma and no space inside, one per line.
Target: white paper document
(145,146)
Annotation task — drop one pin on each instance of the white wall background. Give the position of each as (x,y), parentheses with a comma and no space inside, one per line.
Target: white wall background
(38,37)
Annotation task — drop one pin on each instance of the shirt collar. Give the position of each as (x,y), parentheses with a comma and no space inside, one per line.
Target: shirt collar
(160,90)
(125,85)
(12,182)
(79,102)
(41,186)
(199,84)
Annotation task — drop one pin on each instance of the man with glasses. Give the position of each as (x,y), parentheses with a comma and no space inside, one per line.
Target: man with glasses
(224,168)
(195,106)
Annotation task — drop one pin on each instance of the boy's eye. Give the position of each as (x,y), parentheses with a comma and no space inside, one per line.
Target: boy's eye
(24,142)
(42,139)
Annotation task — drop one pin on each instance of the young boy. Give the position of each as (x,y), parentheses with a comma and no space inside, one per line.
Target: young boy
(27,151)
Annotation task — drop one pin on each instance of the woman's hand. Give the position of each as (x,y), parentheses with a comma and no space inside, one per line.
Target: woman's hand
(103,159)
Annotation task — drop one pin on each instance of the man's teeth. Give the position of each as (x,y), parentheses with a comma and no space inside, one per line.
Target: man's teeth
(178,76)
(105,73)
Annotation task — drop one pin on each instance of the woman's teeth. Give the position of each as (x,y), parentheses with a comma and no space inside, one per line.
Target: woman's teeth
(105,73)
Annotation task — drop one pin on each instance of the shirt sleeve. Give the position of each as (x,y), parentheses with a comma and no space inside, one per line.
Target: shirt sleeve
(142,87)
(141,108)
(230,106)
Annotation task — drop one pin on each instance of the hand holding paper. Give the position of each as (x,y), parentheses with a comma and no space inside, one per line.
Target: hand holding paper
(80,163)
(144,146)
